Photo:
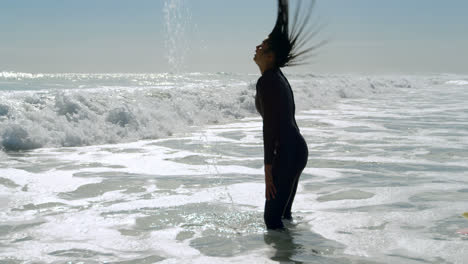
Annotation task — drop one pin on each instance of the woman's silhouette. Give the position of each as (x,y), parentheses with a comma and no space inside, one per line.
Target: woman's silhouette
(285,150)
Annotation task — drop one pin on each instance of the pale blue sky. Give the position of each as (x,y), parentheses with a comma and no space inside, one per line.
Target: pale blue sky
(367,36)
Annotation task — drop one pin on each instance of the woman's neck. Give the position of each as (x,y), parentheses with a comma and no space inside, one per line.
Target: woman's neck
(266,68)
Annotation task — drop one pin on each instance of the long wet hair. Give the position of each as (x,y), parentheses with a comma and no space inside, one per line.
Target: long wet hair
(291,46)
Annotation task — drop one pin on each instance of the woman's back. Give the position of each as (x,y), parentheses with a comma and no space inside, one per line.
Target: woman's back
(274,94)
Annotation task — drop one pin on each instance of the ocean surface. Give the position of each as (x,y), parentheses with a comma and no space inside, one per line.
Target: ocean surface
(167,168)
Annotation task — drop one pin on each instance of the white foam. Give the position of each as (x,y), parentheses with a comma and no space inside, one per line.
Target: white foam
(251,194)
(41,189)
(458,82)
(254,257)
(110,108)
(323,172)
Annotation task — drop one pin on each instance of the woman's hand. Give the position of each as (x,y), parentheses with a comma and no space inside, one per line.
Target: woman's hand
(270,189)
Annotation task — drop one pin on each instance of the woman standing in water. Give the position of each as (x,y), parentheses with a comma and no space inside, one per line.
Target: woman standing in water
(285,150)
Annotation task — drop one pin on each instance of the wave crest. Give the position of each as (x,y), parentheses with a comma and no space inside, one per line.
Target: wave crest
(54,118)
(17,138)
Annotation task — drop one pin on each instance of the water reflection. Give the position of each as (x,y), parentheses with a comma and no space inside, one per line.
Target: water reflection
(284,245)
(297,244)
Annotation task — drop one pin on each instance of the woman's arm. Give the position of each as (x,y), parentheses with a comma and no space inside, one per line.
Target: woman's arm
(269,94)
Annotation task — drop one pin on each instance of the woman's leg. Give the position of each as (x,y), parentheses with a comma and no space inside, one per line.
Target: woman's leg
(301,159)
(287,210)
(283,176)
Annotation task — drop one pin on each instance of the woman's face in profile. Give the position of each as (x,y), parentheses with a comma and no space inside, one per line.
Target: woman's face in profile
(262,52)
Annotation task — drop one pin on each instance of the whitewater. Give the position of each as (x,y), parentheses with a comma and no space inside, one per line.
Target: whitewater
(167,168)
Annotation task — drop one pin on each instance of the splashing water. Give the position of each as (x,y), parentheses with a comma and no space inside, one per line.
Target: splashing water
(177,19)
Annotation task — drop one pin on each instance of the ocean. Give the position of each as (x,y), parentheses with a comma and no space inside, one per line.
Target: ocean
(168,168)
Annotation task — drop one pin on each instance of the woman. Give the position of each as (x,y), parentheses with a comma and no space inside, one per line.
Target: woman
(285,150)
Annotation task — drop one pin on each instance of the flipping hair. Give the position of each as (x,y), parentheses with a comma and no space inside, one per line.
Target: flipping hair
(290,47)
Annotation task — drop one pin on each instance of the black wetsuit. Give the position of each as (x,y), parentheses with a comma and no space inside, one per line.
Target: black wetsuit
(284,147)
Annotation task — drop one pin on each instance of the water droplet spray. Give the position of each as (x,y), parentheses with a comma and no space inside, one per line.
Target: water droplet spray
(177,19)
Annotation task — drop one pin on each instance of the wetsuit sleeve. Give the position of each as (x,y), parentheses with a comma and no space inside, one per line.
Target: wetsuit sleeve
(269,94)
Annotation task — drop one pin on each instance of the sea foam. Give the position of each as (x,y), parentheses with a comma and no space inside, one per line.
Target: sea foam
(53,110)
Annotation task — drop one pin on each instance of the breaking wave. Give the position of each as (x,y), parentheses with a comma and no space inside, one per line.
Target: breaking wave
(92,109)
